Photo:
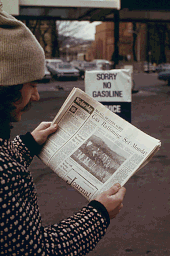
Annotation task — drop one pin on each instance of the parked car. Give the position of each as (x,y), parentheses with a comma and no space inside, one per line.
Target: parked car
(47,76)
(148,67)
(62,70)
(56,60)
(102,64)
(83,66)
(162,67)
(165,76)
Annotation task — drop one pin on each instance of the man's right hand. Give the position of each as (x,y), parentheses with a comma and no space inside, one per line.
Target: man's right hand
(112,199)
(43,130)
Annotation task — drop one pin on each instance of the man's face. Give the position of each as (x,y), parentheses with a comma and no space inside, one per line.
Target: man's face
(29,94)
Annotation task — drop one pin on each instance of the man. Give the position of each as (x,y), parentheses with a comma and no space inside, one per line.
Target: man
(22,62)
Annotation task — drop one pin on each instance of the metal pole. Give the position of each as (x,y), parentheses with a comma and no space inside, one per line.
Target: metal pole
(138,46)
(148,45)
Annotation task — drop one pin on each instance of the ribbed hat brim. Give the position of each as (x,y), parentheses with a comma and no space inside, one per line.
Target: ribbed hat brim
(22,58)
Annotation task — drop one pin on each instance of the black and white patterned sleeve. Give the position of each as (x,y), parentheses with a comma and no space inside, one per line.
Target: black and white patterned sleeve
(25,148)
(78,234)
(23,234)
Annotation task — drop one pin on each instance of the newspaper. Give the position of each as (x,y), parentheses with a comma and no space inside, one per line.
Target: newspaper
(93,148)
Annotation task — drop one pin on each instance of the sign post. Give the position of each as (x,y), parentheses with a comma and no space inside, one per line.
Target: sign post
(112,88)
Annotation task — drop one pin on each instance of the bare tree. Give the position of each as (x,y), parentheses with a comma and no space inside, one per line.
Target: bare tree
(73,28)
(41,30)
(54,34)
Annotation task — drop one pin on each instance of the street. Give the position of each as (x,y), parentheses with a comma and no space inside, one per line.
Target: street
(143,225)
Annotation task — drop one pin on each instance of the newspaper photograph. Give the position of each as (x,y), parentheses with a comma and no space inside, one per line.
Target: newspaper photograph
(94,148)
(96,155)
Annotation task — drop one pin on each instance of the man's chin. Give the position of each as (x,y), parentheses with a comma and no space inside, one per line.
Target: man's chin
(27,107)
(16,116)
(15,119)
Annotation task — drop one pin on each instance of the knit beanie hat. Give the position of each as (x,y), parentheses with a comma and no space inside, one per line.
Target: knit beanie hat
(22,59)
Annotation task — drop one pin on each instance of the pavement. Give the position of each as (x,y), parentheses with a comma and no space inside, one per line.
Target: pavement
(143,225)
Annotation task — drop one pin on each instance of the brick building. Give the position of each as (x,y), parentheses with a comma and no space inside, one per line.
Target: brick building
(152,41)
(103,46)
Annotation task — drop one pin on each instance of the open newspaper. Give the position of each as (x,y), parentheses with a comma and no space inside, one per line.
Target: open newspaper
(94,148)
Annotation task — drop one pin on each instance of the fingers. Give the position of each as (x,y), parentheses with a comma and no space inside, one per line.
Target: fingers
(42,132)
(112,199)
(47,126)
(50,129)
(114,189)
(117,195)
(53,126)
(120,206)
(44,125)
(121,193)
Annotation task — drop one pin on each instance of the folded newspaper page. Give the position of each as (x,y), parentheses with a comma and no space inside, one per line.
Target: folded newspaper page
(93,147)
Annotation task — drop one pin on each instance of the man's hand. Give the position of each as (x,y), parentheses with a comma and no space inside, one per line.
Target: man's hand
(42,132)
(112,199)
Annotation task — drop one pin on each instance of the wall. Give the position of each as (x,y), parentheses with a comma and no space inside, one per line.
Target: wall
(104,39)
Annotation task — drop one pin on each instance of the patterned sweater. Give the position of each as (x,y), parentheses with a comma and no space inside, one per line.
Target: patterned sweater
(21,230)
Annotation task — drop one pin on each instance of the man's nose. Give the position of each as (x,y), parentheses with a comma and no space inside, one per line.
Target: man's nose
(35,95)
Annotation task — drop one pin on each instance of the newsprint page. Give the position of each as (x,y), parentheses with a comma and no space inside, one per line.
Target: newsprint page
(94,148)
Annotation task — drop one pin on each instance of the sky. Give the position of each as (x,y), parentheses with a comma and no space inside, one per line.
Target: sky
(88,30)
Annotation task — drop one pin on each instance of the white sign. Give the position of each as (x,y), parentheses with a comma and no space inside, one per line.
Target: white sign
(112,88)
(109,85)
